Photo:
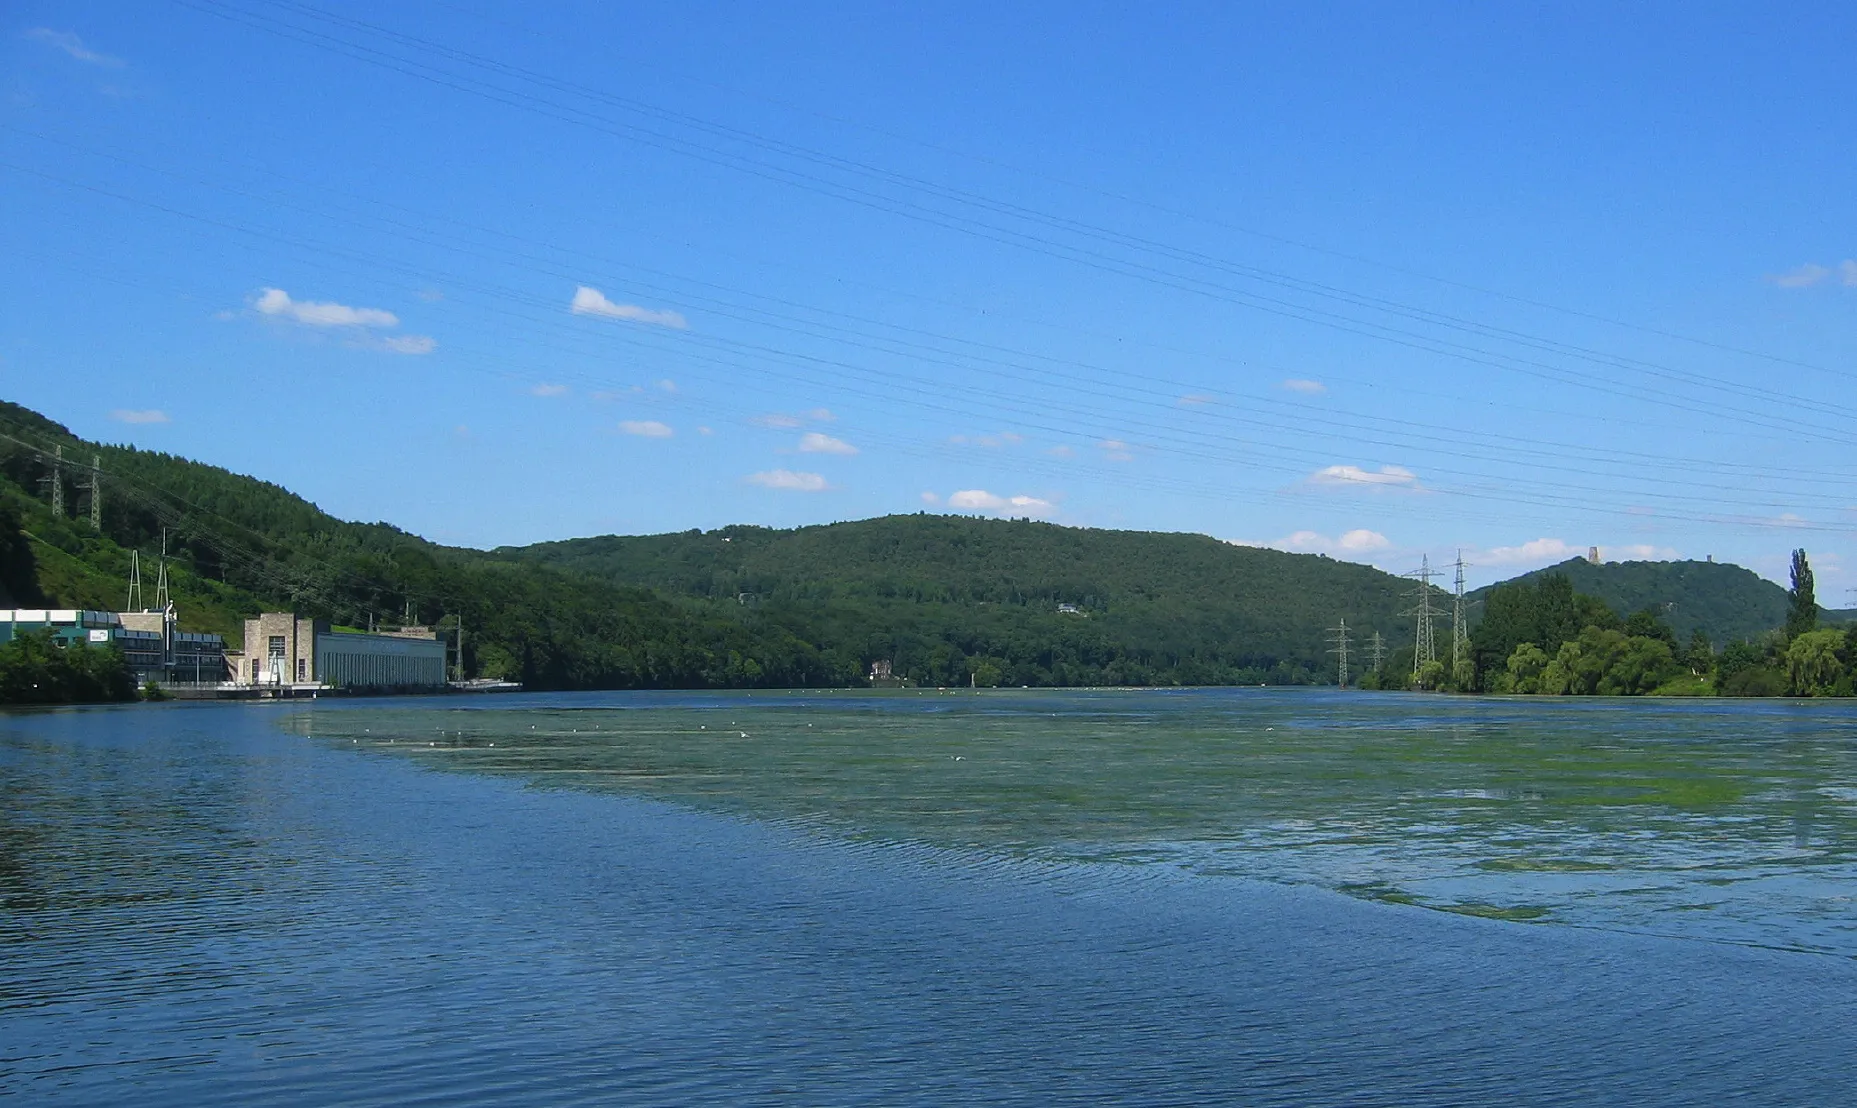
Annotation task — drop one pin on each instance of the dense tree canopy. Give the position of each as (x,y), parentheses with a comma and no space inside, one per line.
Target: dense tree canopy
(946,600)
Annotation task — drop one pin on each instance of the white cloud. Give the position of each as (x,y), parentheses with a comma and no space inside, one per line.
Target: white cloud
(1348,476)
(1195,399)
(74,46)
(1802,278)
(980,500)
(668,385)
(430,296)
(1547,551)
(1304,385)
(789,480)
(1637,552)
(705,431)
(1350,544)
(930,498)
(1116,450)
(590,301)
(277,304)
(820,415)
(990,442)
(405,344)
(1847,271)
(548,390)
(1535,550)
(646,428)
(778,421)
(1786,519)
(812,442)
(139,415)
(1061,451)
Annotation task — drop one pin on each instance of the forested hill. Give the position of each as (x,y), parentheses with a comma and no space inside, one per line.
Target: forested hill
(946,600)
(942,594)
(1728,603)
(239,546)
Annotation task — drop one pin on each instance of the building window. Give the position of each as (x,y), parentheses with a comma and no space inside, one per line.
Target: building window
(302,669)
(277,646)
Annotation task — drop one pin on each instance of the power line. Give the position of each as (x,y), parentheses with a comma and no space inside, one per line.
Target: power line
(840,336)
(1603,382)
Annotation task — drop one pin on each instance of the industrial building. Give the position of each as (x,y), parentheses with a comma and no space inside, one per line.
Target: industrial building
(283,650)
(154,647)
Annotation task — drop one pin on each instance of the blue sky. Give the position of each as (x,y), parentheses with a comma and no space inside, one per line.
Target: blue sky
(1374,283)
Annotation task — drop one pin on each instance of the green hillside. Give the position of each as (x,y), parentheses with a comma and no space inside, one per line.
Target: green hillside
(238,546)
(943,595)
(1726,602)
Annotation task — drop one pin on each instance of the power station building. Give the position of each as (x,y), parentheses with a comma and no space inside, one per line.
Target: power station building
(283,649)
(151,643)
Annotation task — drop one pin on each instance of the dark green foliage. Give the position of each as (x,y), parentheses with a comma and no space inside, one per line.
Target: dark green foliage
(1543,610)
(35,669)
(239,546)
(1540,636)
(19,570)
(946,600)
(1754,681)
(1801,599)
(1725,602)
(949,598)
(1647,623)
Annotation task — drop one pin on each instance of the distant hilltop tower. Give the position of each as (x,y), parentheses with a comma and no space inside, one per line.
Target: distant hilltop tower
(1592,554)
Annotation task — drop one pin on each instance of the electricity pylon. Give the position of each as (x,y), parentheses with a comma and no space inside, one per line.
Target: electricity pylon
(1340,650)
(1423,649)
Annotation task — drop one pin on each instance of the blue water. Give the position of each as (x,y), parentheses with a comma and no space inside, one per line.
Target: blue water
(199,907)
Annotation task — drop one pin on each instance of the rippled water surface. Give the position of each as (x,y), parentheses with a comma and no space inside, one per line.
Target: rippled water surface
(836,898)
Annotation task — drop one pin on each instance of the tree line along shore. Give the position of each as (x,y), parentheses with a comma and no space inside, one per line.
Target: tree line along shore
(927,599)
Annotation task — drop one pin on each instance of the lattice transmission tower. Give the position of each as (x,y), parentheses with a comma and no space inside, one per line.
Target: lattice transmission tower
(1340,650)
(1424,649)
(1460,631)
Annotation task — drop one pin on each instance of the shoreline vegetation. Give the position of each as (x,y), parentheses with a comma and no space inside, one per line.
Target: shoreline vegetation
(1541,638)
(928,600)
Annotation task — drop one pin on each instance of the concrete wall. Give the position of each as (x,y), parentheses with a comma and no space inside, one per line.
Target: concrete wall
(279,646)
(379,661)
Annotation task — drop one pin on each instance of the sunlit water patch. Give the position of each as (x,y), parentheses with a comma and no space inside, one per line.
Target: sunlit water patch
(1728,821)
(851,900)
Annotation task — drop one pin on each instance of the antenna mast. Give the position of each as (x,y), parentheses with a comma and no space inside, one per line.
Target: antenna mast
(134,603)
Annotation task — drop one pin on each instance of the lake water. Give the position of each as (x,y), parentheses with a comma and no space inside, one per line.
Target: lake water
(1241,896)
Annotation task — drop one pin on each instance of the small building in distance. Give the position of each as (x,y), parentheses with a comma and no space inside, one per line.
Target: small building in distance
(283,649)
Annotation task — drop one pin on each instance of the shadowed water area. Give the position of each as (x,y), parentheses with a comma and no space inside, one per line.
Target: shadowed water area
(839,898)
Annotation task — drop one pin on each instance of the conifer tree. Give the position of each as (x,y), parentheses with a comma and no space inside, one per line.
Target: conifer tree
(1802,615)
